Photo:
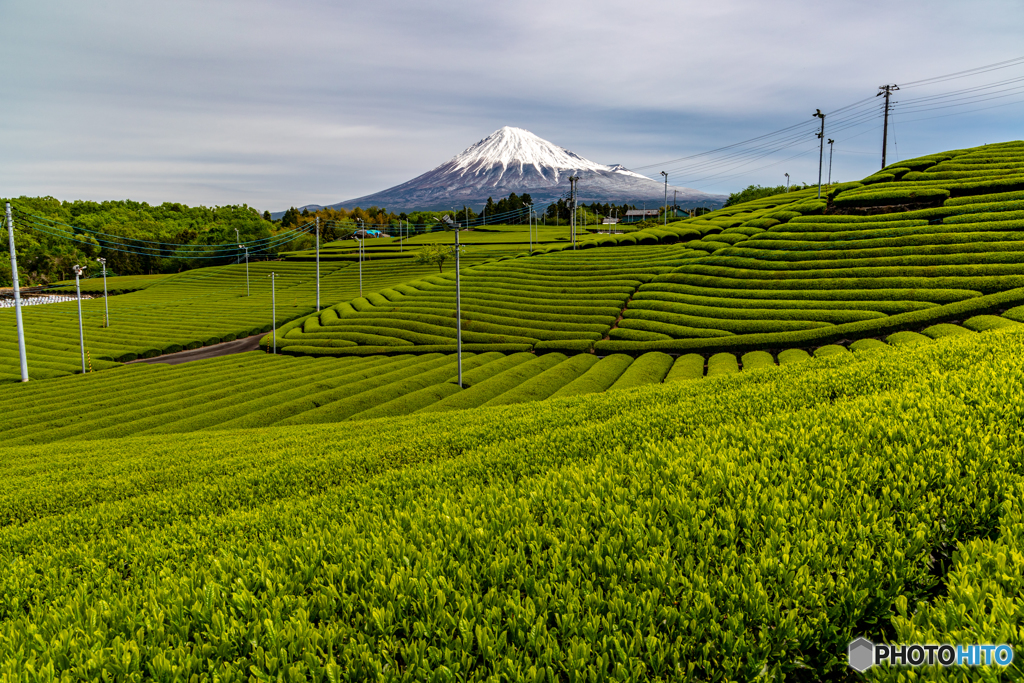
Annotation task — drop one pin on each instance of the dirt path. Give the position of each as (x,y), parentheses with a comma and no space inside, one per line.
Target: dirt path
(223,349)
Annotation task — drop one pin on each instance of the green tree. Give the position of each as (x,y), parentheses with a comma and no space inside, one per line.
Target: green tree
(435,254)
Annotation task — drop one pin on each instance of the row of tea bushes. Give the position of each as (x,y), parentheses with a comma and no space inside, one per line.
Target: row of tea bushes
(183,311)
(738,528)
(256,390)
(563,298)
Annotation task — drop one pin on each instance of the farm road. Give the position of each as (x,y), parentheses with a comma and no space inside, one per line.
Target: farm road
(224,349)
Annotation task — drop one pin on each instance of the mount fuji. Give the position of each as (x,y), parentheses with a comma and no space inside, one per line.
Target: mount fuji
(515,160)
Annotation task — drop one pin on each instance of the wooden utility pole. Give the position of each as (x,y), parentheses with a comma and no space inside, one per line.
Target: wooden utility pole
(886,90)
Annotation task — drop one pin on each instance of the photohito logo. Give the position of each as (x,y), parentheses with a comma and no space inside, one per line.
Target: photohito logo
(862,654)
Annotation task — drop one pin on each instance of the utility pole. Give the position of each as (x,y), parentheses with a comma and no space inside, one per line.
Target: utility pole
(273,310)
(359,222)
(666,196)
(886,90)
(106,309)
(81,332)
(530,219)
(830,141)
(318,264)
(573,180)
(787,183)
(17,296)
(458,307)
(821,152)
(675,203)
(242,246)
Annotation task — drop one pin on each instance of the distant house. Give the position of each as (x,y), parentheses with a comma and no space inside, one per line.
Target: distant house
(610,221)
(637,215)
(368,234)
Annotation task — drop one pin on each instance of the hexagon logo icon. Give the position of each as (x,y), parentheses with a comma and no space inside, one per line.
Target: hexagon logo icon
(861,654)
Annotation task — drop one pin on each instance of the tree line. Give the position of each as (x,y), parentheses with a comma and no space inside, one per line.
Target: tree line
(115,230)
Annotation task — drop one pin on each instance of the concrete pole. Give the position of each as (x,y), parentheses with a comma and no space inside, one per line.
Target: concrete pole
(17,296)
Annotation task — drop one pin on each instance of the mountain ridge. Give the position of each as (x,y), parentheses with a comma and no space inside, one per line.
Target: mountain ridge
(516,160)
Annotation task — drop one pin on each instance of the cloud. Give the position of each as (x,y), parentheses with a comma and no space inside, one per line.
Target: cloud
(280,104)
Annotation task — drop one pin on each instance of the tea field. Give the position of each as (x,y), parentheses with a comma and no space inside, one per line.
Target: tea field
(713,450)
(169,313)
(926,242)
(739,527)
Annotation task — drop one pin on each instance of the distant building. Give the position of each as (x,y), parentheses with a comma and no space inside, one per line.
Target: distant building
(610,221)
(369,234)
(637,215)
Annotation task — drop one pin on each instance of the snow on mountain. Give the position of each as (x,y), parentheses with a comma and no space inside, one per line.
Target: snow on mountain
(515,160)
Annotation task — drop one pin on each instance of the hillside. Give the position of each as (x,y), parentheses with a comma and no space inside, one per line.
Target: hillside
(719,449)
(634,534)
(904,250)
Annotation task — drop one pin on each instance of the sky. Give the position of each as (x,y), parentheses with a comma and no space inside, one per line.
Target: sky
(278,104)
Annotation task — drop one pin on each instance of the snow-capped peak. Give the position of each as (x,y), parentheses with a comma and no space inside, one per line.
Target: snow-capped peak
(515,160)
(515,147)
(619,168)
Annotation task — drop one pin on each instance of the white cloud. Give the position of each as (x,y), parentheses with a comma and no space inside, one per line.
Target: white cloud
(276,104)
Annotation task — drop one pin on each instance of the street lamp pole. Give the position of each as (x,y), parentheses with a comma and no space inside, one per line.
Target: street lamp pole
(81,332)
(787,182)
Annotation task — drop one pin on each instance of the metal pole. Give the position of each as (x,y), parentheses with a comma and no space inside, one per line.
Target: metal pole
(360,239)
(273,311)
(787,182)
(530,219)
(821,151)
(106,308)
(318,264)
(81,331)
(246,270)
(458,307)
(17,296)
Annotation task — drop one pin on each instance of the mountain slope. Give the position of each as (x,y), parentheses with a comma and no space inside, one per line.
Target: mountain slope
(515,160)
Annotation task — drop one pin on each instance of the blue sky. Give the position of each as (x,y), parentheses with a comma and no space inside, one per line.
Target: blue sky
(277,104)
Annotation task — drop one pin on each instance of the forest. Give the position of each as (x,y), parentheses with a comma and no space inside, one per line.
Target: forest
(135,238)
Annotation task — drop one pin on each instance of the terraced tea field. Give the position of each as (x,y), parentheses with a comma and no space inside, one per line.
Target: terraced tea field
(782,272)
(714,450)
(414,543)
(169,313)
